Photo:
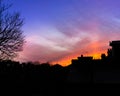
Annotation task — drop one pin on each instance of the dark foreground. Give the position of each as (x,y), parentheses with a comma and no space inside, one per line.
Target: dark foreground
(44,80)
(58,89)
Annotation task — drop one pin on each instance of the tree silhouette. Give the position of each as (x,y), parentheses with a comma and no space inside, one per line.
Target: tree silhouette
(11,35)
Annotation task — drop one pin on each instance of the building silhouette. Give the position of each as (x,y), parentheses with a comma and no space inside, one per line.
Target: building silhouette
(104,70)
(112,54)
(115,49)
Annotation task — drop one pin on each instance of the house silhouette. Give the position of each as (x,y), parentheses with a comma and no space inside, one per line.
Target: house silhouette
(104,70)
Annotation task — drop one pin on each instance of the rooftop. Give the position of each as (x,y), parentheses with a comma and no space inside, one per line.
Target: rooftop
(117,42)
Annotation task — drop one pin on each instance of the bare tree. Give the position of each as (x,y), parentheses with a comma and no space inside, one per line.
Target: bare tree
(11,35)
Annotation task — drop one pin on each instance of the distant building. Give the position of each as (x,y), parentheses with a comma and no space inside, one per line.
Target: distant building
(112,54)
(82,59)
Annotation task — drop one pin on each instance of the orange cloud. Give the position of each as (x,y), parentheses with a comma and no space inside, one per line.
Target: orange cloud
(94,49)
(67,60)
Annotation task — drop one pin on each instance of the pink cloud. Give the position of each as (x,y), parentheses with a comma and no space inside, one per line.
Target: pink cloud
(56,44)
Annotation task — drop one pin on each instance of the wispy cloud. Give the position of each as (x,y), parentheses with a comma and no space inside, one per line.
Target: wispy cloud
(83,30)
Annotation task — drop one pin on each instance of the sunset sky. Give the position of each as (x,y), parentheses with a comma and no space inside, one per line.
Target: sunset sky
(59,30)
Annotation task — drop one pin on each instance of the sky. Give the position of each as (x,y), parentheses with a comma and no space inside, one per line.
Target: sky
(57,31)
